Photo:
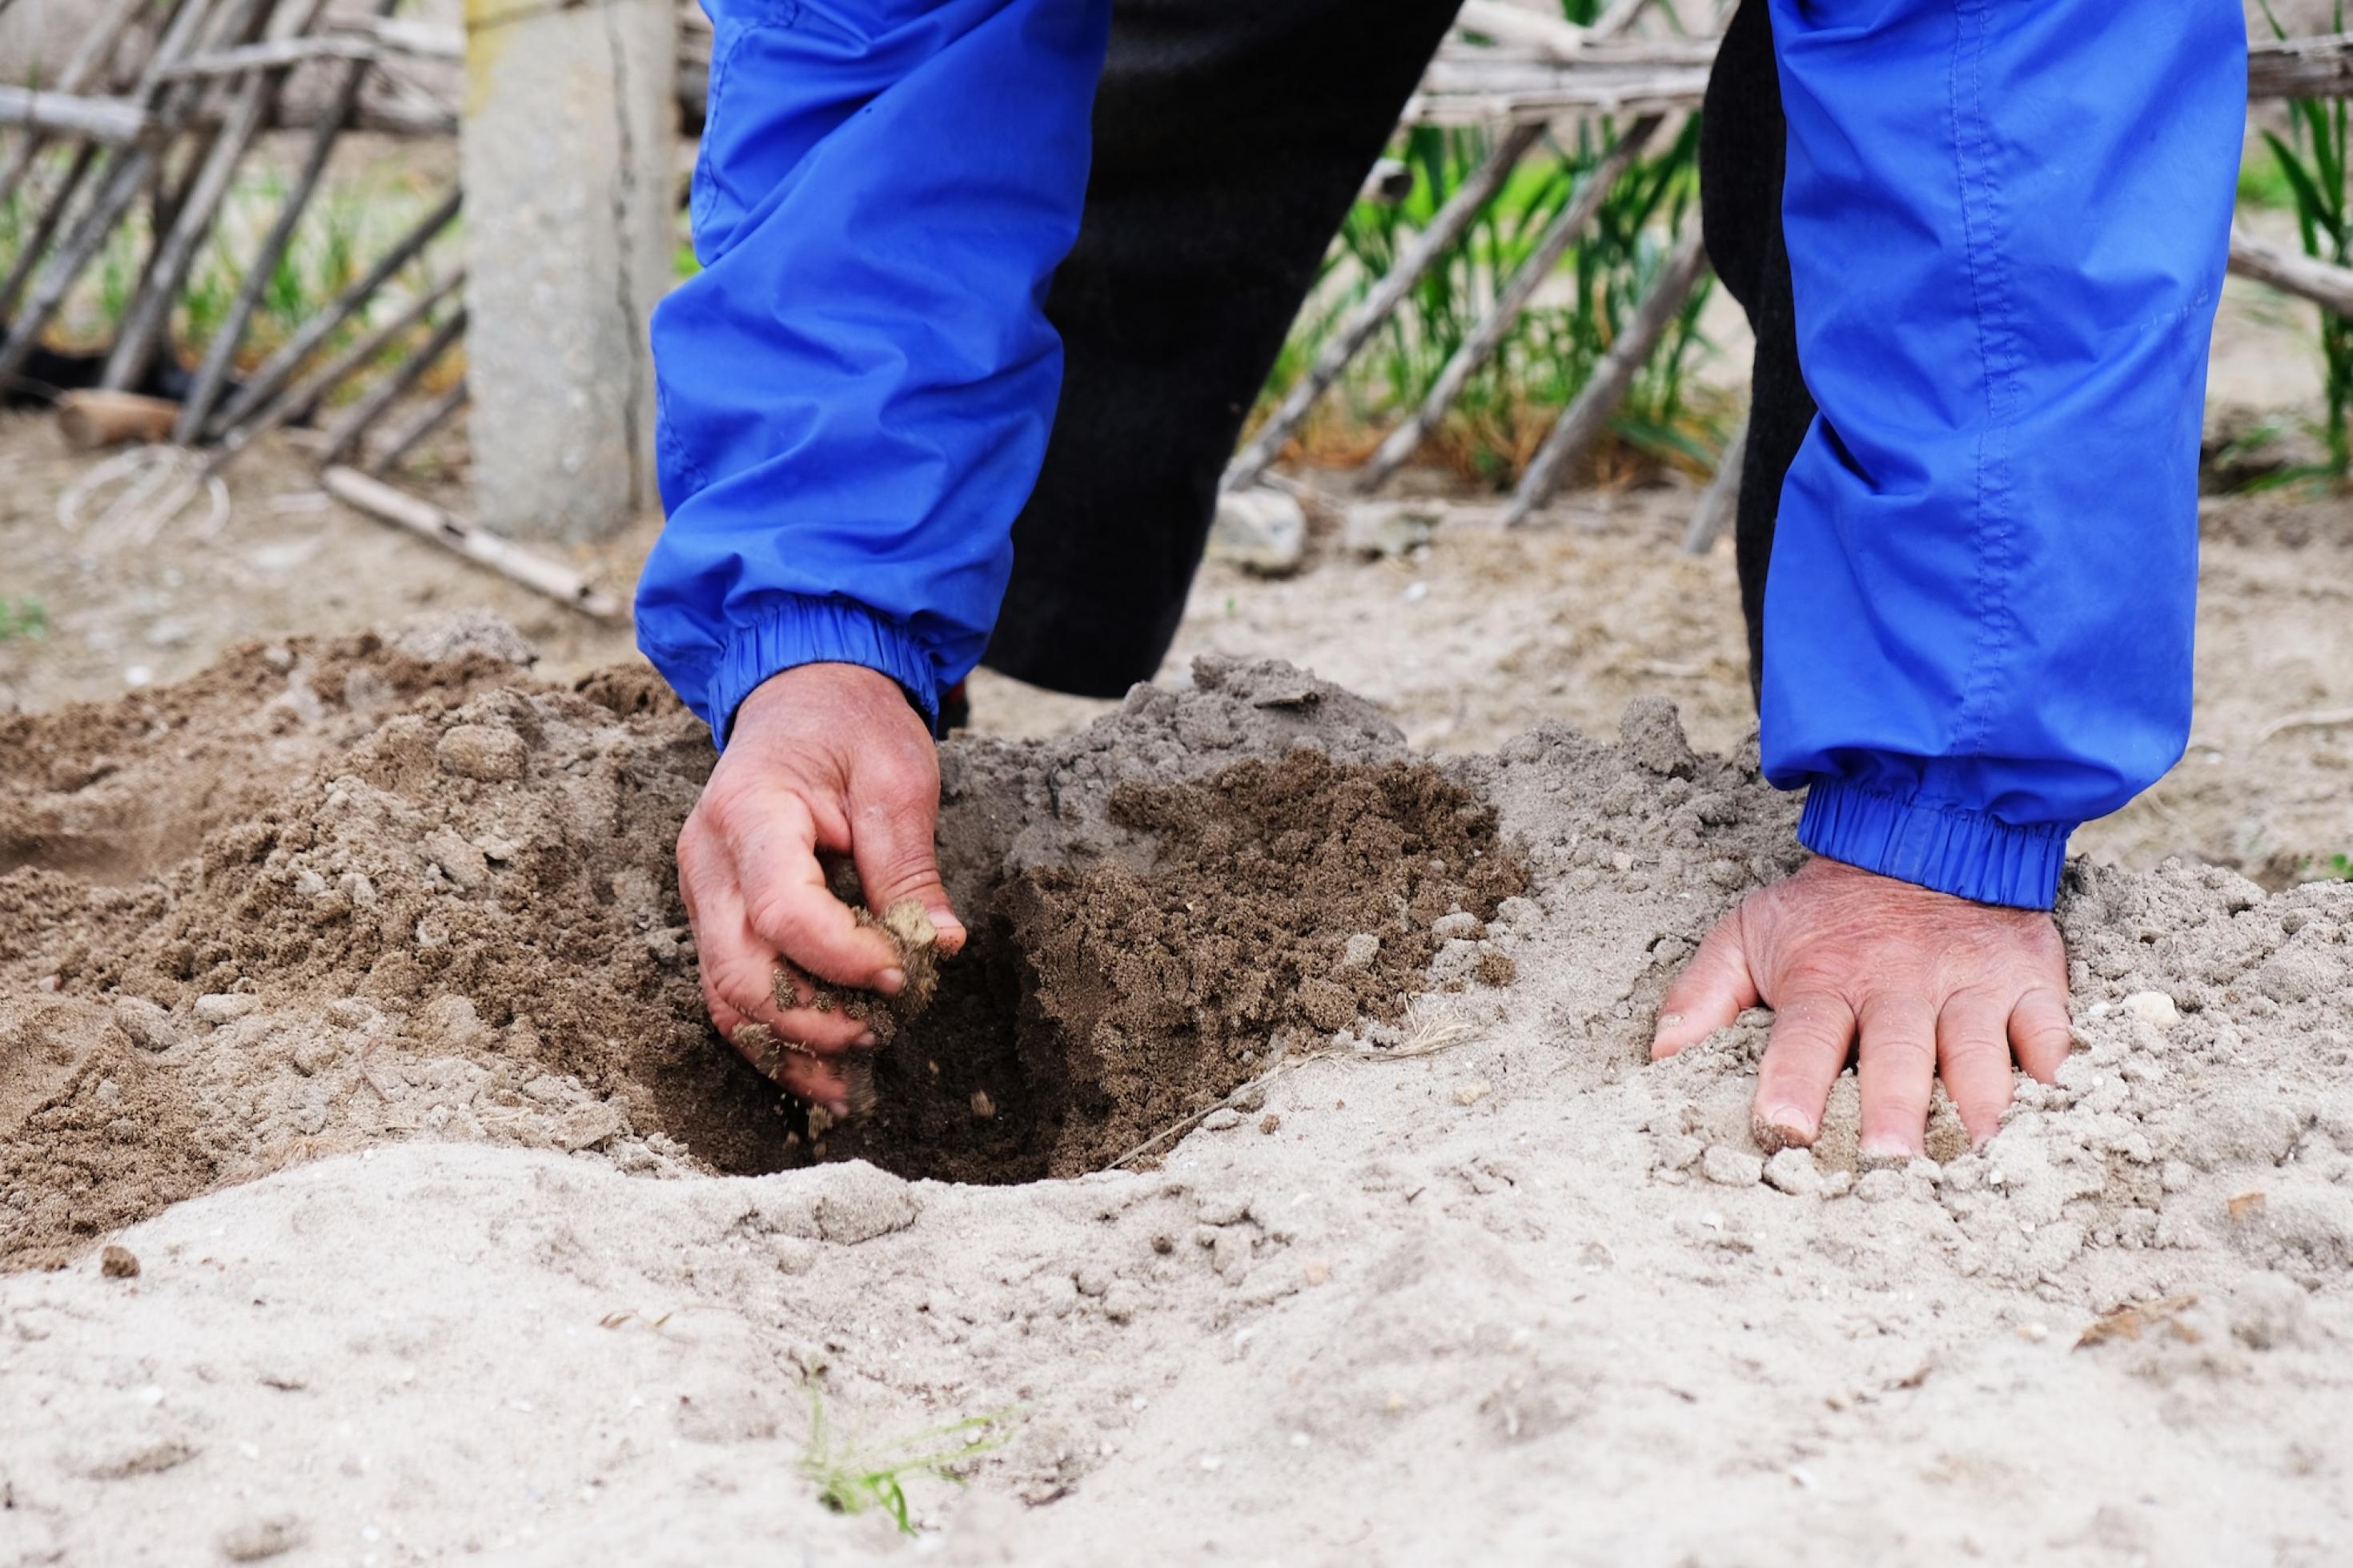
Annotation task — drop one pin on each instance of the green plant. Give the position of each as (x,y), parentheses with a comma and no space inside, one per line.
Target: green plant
(2343,865)
(2313,160)
(1550,351)
(852,1477)
(23,618)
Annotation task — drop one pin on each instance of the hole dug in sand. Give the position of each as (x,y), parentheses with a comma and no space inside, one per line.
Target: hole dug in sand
(1266,905)
(428,899)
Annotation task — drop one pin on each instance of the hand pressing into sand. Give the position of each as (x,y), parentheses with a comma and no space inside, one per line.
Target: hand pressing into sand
(1927,980)
(822,757)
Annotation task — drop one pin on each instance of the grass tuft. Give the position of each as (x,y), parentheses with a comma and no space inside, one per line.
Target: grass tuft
(852,1477)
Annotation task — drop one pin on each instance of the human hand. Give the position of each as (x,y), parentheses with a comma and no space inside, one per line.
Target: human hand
(1927,979)
(822,756)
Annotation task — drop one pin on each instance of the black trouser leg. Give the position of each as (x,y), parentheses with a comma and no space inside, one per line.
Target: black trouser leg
(1743,145)
(1229,141)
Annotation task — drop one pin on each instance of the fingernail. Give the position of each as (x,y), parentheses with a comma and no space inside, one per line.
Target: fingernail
(1882,1153)
(1783,1127)
(866,1039)
(890,981)
(1668,1020)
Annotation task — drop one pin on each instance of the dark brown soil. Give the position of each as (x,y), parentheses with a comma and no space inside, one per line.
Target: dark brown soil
(1098,1006)
(246,922)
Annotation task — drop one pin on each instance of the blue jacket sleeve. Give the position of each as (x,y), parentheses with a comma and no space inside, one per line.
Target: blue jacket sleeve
(856,389)
(2006,222)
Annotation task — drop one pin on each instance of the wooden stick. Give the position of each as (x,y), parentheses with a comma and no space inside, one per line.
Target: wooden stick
(2301,68)
(241,59)
(92,420)
(302,399)
(1721,501)
(86,62)
(220,354)
(2329,287)
(125,179)
(45,227)
(1345,344)
(1488,334)
(361,417)
(1599,92)
(1549,35)
(151,310)
(1584,420)
(107,121)
(447,529)
(280,367)
(401,442)
(1620,15)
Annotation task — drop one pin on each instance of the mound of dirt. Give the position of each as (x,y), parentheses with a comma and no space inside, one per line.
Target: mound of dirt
(439,904)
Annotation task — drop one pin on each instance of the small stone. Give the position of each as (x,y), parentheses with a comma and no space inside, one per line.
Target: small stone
(1793,1171)
(491,753)
(1460,925)
(1472,1092)
(2153,1007)
(308,884)
(861,1202)
(1220,1120)
(1092,1281)
(1880,1186)
(982,1106)
(313,1053)
(1675,1151)
(145,1024)
(1359,951)
(1119,1301)
(1223,1210)
(1729,1167)
(1728,874)
(258,1539)
(1260,530)
(119,1263)
(1270,1122)
(460,861)
(1387,528)
(354,886)
(224,1008)
(1652,734)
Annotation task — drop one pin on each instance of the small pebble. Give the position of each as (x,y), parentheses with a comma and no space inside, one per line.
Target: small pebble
(1222,1118)
(2153,1007)
(1729,1167)
(224,1008)
(119,1263)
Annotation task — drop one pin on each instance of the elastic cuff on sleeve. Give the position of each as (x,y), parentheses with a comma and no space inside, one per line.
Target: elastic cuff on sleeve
(1948,849)
(794,629)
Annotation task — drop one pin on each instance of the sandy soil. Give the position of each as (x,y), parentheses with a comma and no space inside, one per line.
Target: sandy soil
(343,989)
(1479,1285)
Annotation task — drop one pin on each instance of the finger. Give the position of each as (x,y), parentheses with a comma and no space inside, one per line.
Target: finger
(1973,1053)
(2040,1033)
(1896,1067)
(738,971)
(891,842)
(1709,995)
(1803,1057)
(790,910)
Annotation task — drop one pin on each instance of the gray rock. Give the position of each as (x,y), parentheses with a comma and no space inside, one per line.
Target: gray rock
(861,1202)
(1387,528)
(1729,1167)
(1359,951)
(1793,1171)
(145,1024)
(223,1008)
(1259,531)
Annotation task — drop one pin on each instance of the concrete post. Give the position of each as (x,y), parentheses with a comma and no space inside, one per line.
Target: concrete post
(568,156)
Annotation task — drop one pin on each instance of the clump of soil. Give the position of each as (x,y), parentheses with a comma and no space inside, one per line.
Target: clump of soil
(403,891)
(1285,900)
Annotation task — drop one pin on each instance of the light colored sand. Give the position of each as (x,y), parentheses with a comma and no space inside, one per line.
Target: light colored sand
(1490,1304)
